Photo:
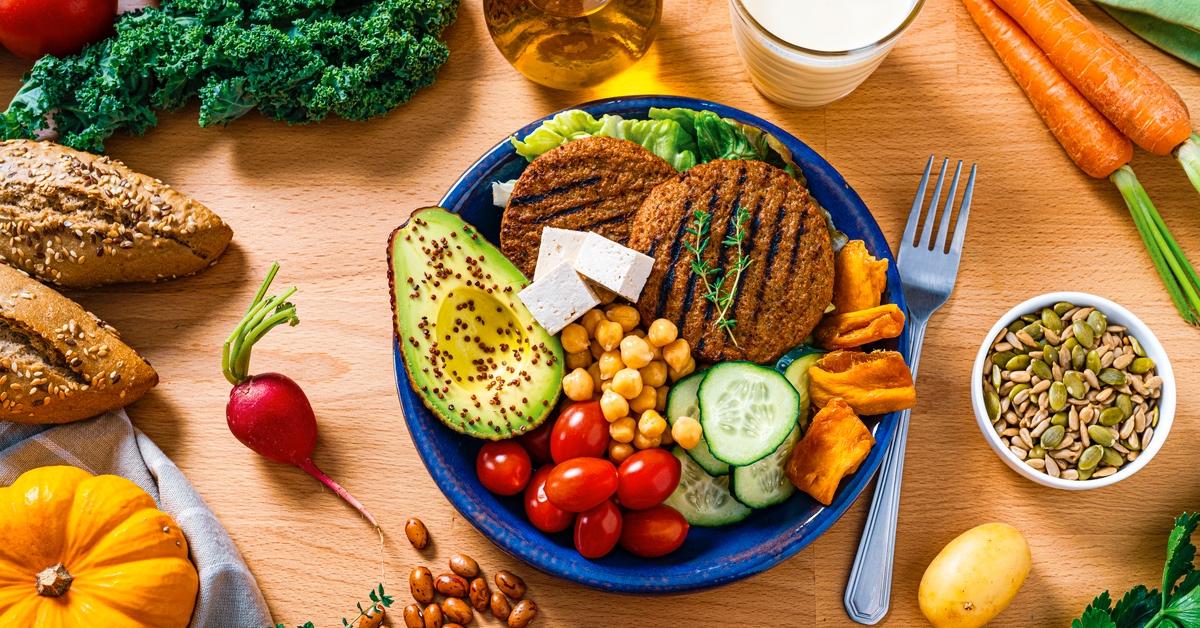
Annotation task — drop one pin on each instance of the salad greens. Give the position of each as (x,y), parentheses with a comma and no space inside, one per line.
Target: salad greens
(296,61)
(1177,605)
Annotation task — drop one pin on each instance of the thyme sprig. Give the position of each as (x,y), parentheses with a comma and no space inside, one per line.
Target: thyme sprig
(369,613)
(720,285)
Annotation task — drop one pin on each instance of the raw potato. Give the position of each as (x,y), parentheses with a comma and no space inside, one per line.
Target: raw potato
(975,577)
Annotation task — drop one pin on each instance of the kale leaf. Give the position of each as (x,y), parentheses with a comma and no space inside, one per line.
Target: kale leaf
(296,61)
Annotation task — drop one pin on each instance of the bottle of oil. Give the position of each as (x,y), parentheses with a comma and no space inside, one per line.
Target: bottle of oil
(571,44)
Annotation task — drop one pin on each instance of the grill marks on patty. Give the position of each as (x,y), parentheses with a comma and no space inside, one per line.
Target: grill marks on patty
(590,184)
(783,292)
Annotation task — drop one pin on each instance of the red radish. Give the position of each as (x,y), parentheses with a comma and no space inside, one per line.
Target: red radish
(269,413)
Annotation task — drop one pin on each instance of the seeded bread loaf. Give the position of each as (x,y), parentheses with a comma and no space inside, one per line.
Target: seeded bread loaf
(81,220)
(58,362)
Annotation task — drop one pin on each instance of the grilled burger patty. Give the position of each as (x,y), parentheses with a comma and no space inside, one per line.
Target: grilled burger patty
(590,184)
(788,284)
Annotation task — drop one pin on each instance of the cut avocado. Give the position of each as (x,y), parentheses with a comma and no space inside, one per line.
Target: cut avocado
(472,350)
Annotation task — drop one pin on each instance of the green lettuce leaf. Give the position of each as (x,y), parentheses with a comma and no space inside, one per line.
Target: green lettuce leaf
(664,138)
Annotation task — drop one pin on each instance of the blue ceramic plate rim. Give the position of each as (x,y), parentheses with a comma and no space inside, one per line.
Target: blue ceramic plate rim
(529,545)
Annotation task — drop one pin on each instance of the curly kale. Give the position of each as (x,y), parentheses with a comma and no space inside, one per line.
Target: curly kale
(296,61)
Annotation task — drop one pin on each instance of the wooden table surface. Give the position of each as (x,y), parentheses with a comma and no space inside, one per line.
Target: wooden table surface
(322,199)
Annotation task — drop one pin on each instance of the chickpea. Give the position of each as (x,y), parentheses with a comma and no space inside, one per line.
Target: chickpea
(605,385)
(687,369)
(578,385)
(595,349)
(686,432)
(627,383)
(635,352)
(677,354)
(644,401)
(609,334)
(590,319)
(626,315)
(660,403)
(656,352)
(639,332)
(613,406)
(618,452)
(641,441)
(623,430)
(574,338)
(593,369)
(580,360)
(662,332)
(610,363)
(652,425)
(653,374)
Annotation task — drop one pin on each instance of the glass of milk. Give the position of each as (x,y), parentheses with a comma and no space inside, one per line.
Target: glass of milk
(809,53)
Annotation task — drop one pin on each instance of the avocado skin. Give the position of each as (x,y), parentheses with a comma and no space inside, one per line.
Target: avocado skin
(471,349)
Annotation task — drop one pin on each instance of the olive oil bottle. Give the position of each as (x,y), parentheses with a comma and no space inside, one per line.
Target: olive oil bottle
(572,44)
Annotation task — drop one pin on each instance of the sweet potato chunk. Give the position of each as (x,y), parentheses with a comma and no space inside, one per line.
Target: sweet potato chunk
(871,383)
(858,278)
(834,446)
(850,330)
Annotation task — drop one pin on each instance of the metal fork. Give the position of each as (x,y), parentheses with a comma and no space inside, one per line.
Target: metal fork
(927,273)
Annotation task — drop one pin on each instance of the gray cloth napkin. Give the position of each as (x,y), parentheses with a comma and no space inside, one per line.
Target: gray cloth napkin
(229,596)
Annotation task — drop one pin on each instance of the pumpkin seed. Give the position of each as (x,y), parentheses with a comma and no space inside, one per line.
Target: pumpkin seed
(1100,434)
(1053,436)
(992,402)
(1029,318)
(1002,357)
(1051,320)
(1050,355)
(1060,418)
(1098,322)
(1037,452)
(1078,358)
(1062,307)
(1085,474)
(1016,390)
(1041,369)
(1112,377)
(1016,326)
(1093,361)
(1034,330)
(1074,383)
(1110,416)
(1137,347)
(1069,345)
(1141,366)
(1058,396)
(1112,458)
(1017,363)
(1090,458)
(1084,334)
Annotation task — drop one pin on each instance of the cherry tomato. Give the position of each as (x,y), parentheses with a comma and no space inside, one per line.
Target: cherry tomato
(598,529)
(32,28)
(581,483)
(654,532)
(537,442)
(646,478)
(579,432)
(541,513)
(503,467)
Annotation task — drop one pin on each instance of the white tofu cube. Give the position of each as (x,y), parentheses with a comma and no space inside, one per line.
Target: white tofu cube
(558,247)
(615,267)
(559,298)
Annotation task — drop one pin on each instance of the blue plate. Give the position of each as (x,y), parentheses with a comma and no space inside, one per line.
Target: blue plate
(710,556)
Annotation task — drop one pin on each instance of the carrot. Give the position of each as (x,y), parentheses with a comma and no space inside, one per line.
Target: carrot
(1126,91)
(1091,141)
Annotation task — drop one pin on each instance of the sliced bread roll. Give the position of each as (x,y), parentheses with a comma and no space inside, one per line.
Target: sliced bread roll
(58,362)
(81,220)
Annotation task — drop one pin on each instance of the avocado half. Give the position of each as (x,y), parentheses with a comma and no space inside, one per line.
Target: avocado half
(472,350)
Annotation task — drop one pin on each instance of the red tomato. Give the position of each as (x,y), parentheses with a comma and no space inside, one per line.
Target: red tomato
(646,478)
(598,529)
(654,532)
(581,483)
(579,432)
(541,513)
(32,28)
(537,442)
(503,467)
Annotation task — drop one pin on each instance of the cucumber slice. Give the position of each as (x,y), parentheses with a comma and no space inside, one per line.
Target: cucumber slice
(797,374)
(746,410)
(702,499)
(681,401)
(765,483)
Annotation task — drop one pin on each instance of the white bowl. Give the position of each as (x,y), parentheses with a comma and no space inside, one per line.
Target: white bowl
(1116,315)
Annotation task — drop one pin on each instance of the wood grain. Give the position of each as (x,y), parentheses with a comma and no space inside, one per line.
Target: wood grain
(322,200)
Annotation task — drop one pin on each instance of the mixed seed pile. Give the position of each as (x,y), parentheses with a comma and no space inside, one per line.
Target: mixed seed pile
(1071,395)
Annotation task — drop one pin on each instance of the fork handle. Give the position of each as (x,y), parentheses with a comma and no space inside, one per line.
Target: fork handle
(869,590)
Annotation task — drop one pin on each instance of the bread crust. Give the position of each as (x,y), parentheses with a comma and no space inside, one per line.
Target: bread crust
(784,291)
(80,220)
(58,362)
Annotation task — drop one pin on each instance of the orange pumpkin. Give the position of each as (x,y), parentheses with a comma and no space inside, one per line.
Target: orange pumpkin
(84,550)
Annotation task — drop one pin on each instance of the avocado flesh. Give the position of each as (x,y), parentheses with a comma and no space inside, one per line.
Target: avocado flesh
(472,350)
